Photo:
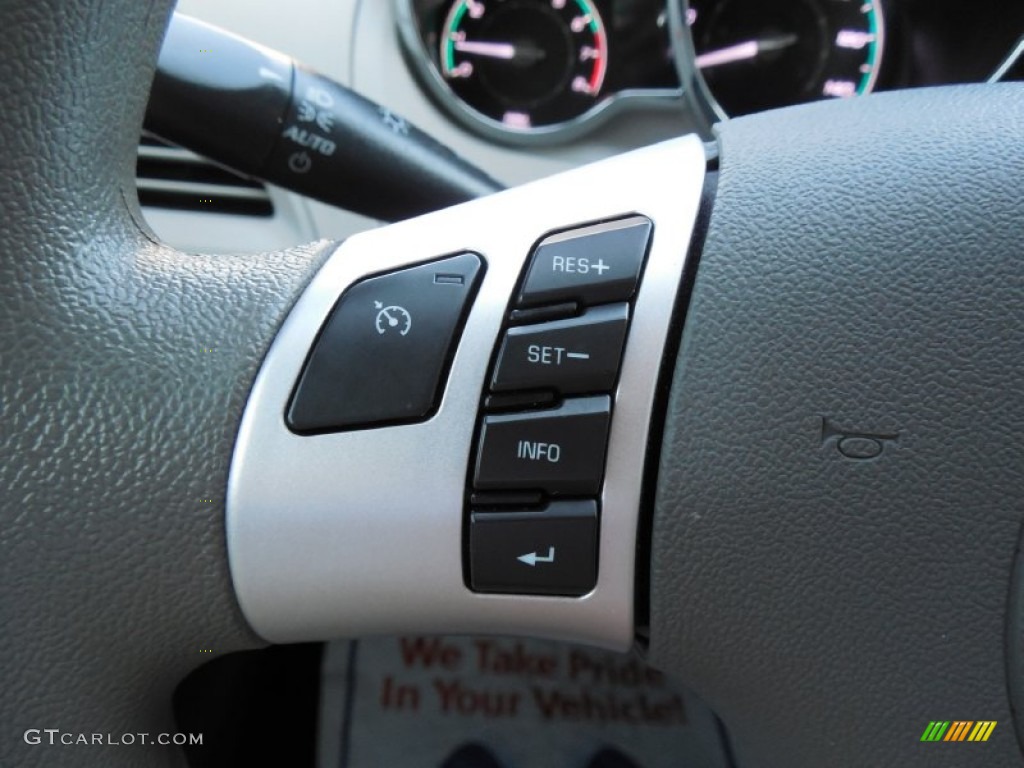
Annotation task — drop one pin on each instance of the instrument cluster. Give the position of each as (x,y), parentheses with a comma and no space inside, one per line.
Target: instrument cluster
(528,71)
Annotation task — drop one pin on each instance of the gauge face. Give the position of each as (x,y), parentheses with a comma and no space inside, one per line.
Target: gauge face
(761,54)
(525,63)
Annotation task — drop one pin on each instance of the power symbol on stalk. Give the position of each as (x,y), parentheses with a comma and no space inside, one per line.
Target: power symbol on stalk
(300,162)
(392,318)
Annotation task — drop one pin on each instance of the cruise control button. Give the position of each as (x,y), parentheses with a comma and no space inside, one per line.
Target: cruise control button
(596,264)
(560,451)
(383,354)
(549,552)
(573,356)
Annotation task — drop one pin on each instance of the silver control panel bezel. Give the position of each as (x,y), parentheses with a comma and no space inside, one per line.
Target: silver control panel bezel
(360,533)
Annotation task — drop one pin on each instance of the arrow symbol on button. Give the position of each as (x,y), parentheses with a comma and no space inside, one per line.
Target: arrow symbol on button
(533,558)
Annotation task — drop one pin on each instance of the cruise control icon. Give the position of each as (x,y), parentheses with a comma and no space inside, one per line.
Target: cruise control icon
(392,318)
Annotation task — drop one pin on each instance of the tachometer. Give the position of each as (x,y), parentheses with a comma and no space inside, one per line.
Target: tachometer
(525,63)
(760,54)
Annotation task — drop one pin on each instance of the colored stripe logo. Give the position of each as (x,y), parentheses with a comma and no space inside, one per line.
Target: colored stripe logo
(958,730)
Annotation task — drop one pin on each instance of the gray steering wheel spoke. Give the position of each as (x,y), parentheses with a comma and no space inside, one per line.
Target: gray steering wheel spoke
(361,530)
(835,528)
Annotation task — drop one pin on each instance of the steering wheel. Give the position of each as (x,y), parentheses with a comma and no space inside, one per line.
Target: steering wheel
(811,499)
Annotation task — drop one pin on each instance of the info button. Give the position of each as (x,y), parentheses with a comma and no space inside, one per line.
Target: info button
(560,451)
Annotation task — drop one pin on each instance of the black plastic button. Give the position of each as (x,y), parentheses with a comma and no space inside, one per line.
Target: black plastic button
(573,356)
(560,451)
(506,499)
(383,354)
(549,552)
(596,264)
(543,314)
(517,401)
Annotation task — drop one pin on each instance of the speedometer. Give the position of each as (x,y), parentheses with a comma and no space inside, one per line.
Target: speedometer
(760,54)
(531,72)
(525,63)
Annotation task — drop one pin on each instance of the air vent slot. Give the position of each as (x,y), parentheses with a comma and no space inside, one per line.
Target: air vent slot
(171,177)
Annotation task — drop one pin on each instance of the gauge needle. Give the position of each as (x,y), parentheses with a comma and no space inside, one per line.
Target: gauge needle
(1017,54)
(503,51)
(750,49)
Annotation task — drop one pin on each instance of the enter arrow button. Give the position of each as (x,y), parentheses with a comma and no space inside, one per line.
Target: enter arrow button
(547,551)
(532,558)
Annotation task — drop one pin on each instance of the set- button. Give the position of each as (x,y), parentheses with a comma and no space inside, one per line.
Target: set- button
(580,354)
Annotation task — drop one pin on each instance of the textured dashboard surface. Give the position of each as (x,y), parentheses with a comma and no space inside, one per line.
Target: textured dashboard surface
(863,264)
(125,369)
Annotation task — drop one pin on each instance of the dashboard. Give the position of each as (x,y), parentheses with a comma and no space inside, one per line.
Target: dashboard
(528,88)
